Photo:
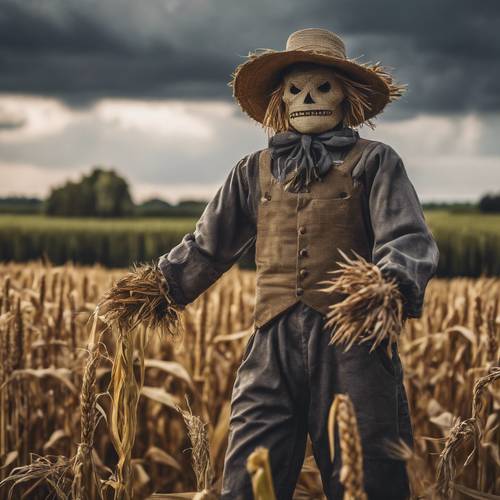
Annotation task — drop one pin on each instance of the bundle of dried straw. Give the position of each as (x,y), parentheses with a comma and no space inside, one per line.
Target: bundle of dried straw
(373,308)
(141,297)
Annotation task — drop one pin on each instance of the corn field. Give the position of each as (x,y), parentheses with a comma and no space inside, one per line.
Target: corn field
(60,427)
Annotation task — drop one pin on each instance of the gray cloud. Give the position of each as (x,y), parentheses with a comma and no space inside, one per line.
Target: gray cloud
(82,50)
(13,123)
(10,120)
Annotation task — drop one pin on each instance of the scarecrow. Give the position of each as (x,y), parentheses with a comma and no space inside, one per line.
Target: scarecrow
(318,199)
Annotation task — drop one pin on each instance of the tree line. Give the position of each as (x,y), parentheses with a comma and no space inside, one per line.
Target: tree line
(102,193)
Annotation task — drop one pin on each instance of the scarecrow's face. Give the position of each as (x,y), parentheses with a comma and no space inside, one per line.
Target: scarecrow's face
(313,98)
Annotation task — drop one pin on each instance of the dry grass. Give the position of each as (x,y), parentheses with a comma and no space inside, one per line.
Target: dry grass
(372,309)
(84,484)
(141,297)
(200,450)
(461,432)
(44,329)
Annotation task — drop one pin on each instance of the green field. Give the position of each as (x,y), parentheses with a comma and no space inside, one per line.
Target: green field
(469,243)
(112,242)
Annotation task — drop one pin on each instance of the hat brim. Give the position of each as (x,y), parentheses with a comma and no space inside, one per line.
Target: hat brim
(256,79)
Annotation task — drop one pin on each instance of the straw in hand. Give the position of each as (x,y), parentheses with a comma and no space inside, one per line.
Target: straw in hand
(141,297)
(373,308)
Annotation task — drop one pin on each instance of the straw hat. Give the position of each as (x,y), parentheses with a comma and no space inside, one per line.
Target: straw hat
(254,81)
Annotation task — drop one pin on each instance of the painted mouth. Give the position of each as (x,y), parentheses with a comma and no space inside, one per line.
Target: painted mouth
(311,112)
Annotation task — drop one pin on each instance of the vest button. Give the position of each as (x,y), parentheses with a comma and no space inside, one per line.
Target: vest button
(299,292)
(303,252)
(303,273)
(302,230)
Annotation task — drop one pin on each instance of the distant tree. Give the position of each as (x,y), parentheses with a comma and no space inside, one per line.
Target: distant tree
(102,193)
(112,197)
(20,205)
(155,207)
(191,204)
(453,206)
(490,203)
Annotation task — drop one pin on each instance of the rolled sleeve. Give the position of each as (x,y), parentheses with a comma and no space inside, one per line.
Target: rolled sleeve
(225,230)
(403,247)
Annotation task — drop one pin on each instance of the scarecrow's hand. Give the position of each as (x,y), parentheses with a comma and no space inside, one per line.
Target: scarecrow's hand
(407,290)
(141,297)
(372,309)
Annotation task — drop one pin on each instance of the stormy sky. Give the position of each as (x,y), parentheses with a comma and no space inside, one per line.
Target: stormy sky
(142,86)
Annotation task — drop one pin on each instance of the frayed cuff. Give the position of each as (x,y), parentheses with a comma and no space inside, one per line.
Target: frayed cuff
(174,290)
(412,298)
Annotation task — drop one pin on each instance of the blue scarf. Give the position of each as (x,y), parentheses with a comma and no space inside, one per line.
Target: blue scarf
(307,157)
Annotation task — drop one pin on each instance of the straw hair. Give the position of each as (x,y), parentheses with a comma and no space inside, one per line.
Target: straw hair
(256,82)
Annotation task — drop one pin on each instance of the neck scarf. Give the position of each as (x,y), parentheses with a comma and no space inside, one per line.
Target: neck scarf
(307,157)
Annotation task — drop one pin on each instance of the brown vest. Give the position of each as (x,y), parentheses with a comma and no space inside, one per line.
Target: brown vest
(299,234)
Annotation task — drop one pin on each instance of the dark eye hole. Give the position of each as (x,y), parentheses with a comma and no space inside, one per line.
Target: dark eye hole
(325,87)
(294,89)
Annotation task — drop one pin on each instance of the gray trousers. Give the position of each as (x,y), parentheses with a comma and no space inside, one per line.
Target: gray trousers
(283,391)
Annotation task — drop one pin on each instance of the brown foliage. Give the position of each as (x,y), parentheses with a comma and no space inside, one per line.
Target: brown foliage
(44,325)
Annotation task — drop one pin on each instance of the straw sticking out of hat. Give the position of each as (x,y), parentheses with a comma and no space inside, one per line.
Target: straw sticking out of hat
(255,80)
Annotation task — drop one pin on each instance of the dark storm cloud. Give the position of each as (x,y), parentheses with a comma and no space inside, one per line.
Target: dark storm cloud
(78,58)
(82,50)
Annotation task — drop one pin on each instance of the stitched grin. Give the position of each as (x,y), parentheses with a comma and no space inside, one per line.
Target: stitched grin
(311,112)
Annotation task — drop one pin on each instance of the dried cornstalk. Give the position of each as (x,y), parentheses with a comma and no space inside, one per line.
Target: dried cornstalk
(492,340)
(479,388)
(6,320)
(447,467)
(351,473)
(372,309)
(442,353)
(83,466)
(200,449)
(260,470)
(421,482)
(51,470)
(140,298)
(125,390)
(460,433)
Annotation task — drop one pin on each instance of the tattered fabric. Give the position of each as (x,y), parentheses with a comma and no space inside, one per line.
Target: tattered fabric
(307,157)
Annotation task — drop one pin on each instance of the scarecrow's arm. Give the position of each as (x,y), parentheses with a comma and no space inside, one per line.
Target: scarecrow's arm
(403,247)
(225,230)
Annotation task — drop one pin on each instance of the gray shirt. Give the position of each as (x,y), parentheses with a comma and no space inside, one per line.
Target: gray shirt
(403,246)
